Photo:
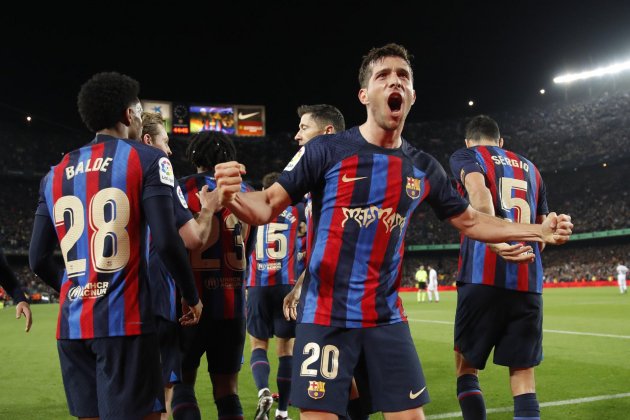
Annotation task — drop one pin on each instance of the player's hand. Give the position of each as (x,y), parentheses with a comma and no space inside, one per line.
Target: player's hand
(23,308)
(209,199)
(191,314)
(557,229)
(518,253)
(290,302)
(228,176)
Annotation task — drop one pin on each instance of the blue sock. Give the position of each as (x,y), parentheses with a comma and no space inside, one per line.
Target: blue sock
(526,407)
(184,404)
(229,408)
(471,398)
(260,368)
(283,380)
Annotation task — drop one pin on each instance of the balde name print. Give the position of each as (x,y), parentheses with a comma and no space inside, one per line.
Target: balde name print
(99,164)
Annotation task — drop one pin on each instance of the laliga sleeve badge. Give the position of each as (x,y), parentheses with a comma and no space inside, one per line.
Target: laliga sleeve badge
(295,159)
(316,389)
(166,172)
(181,197)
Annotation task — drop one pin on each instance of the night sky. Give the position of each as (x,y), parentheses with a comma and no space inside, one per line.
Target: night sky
(285,53)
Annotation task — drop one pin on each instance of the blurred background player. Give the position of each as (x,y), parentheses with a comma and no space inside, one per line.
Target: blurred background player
(195,232)
(11,285)
(96,204)
(220,276)
(432,288)
(421,279)
(622,272)
(273,270)
(499,303)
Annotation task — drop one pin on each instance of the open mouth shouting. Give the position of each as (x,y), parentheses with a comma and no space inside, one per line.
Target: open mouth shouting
(395,102)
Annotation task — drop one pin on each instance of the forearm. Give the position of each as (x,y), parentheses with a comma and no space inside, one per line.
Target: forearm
(204,221)
(485,228)
(253,208)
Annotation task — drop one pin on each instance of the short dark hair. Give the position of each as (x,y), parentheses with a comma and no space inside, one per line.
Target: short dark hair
(104,98)
(209,148)
(377,54)
(482,127)
(324,114)
(269,179)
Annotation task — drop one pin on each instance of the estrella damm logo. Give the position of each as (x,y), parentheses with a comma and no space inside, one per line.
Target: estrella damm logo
(413,187)
(316,389)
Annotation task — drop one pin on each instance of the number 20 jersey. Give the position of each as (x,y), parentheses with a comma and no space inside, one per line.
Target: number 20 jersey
(519,195)
(94,198)
(363,198)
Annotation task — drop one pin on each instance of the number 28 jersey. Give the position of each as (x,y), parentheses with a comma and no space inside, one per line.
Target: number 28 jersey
(94,197)
(518,194)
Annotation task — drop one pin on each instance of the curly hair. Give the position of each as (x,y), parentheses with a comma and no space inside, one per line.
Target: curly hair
(103,99)
(209,148)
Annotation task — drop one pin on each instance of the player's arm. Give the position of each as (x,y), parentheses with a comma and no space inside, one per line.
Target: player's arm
(290,302)
(556,229)
(196,232)
(11,285)
(40,253)
(161,219)
(256,207)
(480,198)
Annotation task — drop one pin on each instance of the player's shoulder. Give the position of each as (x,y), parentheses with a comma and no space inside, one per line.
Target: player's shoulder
(419,157)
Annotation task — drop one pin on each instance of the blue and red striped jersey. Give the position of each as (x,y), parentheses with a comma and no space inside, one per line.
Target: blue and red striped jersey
(518,194)
(94,198)
(220,269)
(274,259)
(162,285)
(363,197)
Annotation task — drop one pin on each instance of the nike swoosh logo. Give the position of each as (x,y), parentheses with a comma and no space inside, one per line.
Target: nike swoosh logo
(242,116)
(345,178)
(417,394)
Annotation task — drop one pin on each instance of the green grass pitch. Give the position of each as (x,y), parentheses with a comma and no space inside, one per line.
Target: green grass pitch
(586,348)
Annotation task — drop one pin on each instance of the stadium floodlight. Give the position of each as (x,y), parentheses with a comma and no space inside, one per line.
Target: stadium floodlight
(601,71)
(471,103)
(542,91)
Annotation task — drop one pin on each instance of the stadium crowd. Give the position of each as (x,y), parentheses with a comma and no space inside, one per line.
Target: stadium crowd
(586,176)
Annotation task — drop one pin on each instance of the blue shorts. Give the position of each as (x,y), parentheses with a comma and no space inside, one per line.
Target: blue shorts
(264,312)
(221,340)
(170,351)
(112,377)
(384,359)
(493,317)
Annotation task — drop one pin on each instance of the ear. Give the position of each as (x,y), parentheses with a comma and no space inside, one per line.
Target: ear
(501,142)
(128,117)
(363,96)
(146,139)
(413,101)
(329,129)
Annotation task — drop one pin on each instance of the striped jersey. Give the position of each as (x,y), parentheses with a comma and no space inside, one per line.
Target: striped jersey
(220,269)
(518,194)
(162,285)
(274,259)
(363,198)
(94,197)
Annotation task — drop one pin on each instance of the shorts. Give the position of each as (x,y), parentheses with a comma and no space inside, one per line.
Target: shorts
(170,351)
(221,340)
(493,317)
(422,286)
(264,312)
(124,370)
(383,359)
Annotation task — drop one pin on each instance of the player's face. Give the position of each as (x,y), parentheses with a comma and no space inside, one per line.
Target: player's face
(307,129)
(161,141)
(389,94)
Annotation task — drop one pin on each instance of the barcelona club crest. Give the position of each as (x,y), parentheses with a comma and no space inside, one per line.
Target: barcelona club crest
(316,389)
(413,187)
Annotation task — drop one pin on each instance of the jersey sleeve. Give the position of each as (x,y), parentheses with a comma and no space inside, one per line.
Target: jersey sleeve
(182,213)
(462,163)
(159,178)
(443,198)
(543,207)
(304,171)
